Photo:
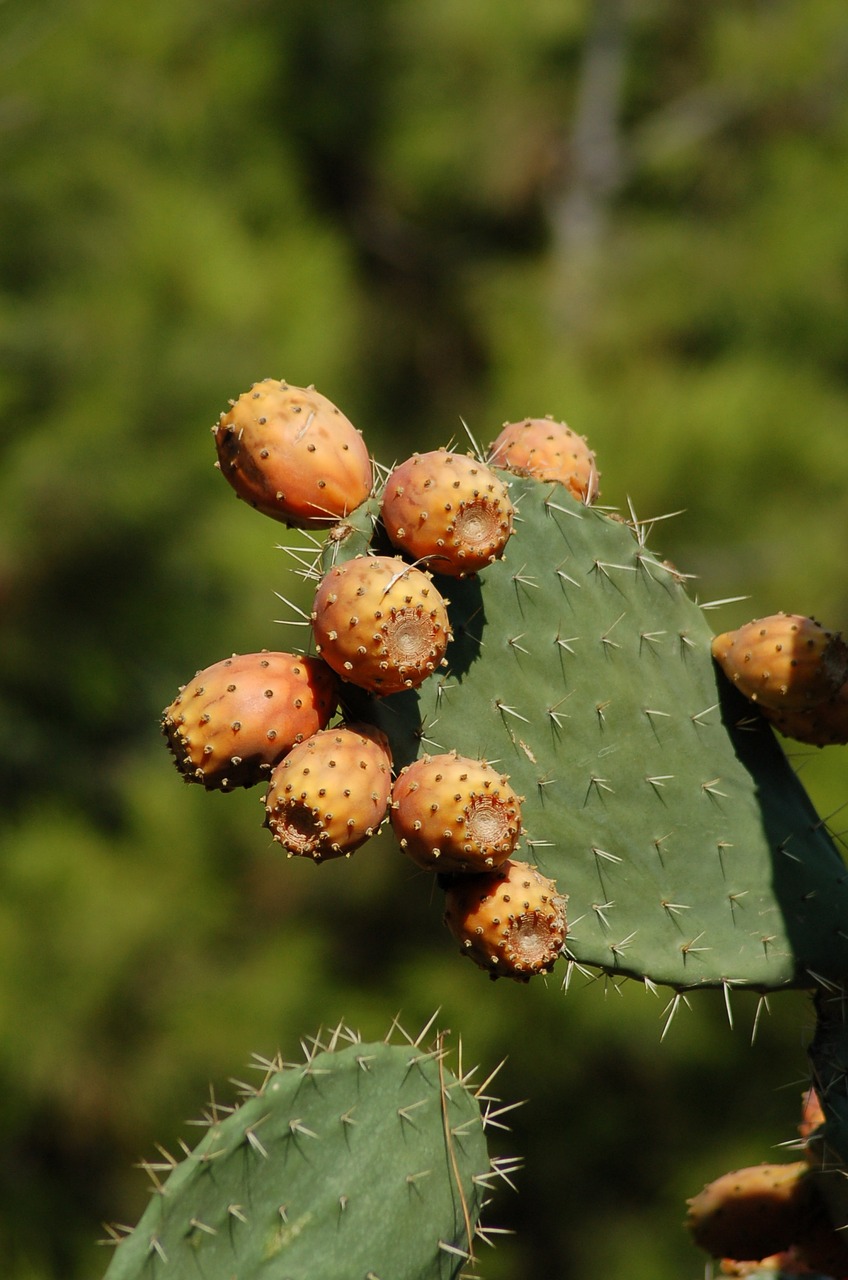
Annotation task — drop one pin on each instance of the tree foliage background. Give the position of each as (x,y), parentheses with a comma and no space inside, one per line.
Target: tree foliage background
(630,215)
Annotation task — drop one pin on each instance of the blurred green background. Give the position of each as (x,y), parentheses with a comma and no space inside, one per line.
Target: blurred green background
(633,216)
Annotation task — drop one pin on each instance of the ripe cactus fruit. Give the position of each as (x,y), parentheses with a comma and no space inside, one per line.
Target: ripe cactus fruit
(331,792)
(823,725)
(785,662)
(237,718)
(380,623)
(756,1212)
(454,814)
(293,455)
(510,922)
(547,450)
(449,510)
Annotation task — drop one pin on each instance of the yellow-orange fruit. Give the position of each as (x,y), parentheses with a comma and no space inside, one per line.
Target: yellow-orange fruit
(451,814)
(293,455)
(331,792)
(511,922)
(448,510)
(548,450)
(380,623)
(754,1213)
(237,718)
(785,662)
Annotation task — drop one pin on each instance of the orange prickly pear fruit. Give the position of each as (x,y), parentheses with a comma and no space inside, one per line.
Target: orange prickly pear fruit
(237,718)
(380,623)
(785,662)
(331,792)
(754,1213)
(448,510)
(510,922)
(293,455)
(824,724)
(454,814)
(548,450)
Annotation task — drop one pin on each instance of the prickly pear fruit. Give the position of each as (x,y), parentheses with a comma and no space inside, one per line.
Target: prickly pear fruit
(454,814)
(293,455)
(755,1212)
(449,510)
(822,725)
(237,718)
(380,623)
(510,922)
(785,662)
(547,450)
(331,792)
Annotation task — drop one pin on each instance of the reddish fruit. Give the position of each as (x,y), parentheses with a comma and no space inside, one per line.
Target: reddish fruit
(293,455)
(756,1212)
(454,814)
(548,450)
(236,719)
(380,623)
(785,662)
(510,922)
(448,510)
(823,725)
(331,792)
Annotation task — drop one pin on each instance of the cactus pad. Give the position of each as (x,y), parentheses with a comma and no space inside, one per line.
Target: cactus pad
(656,797)
(366,1160)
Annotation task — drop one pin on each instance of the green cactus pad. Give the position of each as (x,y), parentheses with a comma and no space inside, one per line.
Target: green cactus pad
(657,798)
(365,1161)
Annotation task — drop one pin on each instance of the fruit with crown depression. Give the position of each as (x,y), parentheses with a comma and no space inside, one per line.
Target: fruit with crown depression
(380,623)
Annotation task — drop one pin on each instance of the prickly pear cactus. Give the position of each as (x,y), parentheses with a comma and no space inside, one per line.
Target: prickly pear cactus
(365,1160)
(655,795)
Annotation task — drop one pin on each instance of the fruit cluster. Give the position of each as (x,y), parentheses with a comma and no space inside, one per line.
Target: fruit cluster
(379,623)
